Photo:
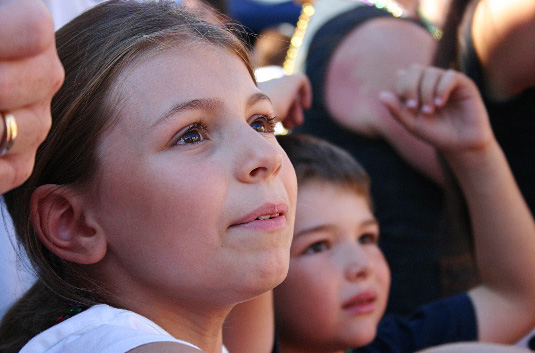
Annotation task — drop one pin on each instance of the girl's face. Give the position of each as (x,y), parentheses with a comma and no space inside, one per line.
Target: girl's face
(195,196)
(337,285)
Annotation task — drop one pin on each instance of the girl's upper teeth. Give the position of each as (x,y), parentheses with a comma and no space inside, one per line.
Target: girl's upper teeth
(267,216)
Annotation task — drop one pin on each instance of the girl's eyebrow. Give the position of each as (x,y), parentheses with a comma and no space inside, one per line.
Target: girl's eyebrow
(255,98)
(205,104)
(194,104)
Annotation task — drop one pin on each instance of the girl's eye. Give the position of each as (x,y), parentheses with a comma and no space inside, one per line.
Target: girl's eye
(264,123)
(316,248)
(195,133)
(367,239)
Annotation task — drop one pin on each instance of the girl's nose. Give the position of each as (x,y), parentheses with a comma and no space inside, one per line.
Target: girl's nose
(259,158)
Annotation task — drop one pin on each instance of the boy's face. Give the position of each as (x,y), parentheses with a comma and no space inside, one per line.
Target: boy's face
(337,286)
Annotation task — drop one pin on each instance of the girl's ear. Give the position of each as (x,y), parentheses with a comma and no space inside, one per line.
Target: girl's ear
(64,225)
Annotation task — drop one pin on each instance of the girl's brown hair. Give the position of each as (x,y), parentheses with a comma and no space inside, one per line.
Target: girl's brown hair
(95,48)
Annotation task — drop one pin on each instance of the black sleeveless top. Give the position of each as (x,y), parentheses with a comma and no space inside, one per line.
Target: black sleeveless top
(407,204)
(513,122)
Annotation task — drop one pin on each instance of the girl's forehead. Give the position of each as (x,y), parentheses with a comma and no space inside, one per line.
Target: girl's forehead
(174,67)
(181,50)
(155,83)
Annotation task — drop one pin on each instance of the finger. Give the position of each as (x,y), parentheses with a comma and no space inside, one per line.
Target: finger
(397,108)
(287,123)
(295,116)
(32,128)
(445,87)
(27,81)
(428,86)
(306,93)
(298,114)
(26,28)
(407,86)
(13,172)
(16,165)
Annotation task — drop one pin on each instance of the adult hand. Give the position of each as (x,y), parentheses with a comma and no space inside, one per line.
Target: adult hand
(30,74)
(290,95)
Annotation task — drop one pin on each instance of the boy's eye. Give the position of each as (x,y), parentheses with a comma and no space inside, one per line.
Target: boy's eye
(367,239)
(316,248)
(195,133)
(263,123)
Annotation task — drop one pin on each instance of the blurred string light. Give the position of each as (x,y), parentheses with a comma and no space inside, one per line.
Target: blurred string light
(307,11)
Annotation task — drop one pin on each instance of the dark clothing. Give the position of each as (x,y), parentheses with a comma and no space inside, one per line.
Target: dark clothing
(407,204)
(256,16)
(443,321)
(513,123)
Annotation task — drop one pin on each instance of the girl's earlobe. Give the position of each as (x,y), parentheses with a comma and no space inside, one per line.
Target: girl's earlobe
(61,222)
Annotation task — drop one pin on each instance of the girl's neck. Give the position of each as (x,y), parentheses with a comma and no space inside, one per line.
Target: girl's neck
(204,332)
(201,328)
(184,317)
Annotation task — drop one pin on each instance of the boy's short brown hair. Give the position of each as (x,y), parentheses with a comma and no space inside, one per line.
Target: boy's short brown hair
(315,159)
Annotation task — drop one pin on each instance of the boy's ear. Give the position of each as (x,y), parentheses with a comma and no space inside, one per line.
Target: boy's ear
(64,225)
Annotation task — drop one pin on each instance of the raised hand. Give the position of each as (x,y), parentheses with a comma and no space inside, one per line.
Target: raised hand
(290,95)
(442,107)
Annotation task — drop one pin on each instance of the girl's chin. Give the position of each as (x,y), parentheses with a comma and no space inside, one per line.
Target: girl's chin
(264,284)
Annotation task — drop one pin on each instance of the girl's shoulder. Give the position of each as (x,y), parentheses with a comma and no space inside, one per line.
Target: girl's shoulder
(101,328)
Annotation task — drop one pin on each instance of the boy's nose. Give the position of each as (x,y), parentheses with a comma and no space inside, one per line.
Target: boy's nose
(356,272)
(357,266)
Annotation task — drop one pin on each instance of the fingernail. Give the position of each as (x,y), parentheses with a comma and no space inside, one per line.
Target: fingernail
(383,95)
(412,103)
(426,108)
(438,101)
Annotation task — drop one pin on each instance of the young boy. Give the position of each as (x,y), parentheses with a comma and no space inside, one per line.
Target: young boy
(337,286)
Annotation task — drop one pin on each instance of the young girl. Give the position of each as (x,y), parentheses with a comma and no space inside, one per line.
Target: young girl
(336,291)
(161,197)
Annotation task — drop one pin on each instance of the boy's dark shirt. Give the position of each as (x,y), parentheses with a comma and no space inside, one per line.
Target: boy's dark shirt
(443,321)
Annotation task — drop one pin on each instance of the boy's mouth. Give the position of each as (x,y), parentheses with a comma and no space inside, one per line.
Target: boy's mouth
(361,303)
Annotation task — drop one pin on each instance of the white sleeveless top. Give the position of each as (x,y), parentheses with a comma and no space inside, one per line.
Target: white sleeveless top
(102,329)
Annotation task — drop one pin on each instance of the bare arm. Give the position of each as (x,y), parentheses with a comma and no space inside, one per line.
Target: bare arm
(504,230)
(504,38)
(365,64)
(504,239)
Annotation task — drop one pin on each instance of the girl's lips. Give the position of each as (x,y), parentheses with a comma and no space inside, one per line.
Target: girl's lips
(269,216)
(270,224)
(362,303)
